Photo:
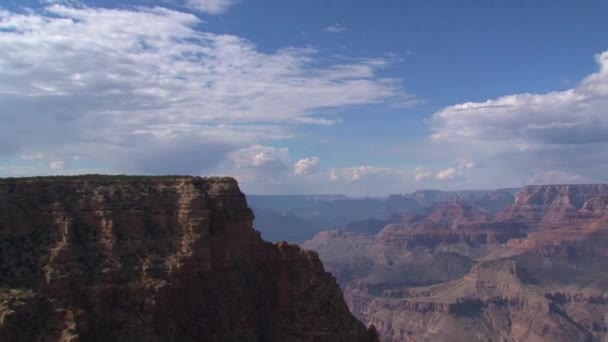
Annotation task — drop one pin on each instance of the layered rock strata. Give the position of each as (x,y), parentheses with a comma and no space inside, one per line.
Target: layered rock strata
(100,258)
(535,271)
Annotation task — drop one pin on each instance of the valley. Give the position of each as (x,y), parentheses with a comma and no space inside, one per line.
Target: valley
(445,267)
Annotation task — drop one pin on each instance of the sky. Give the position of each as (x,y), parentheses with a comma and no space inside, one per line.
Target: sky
(356,97)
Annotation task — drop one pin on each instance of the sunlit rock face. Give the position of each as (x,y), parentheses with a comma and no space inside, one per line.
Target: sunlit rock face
(534,271)
(100,258)
(554,204)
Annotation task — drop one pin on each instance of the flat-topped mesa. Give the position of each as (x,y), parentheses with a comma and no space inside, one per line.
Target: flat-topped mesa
(169,258)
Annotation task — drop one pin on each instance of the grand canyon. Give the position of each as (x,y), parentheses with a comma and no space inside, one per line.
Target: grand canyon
(115,258)
(496,265)
(535,270)
(176,258)
(303,171)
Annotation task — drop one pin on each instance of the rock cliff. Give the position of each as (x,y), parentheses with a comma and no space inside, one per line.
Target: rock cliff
(535,271)
(115,258)
(554,204)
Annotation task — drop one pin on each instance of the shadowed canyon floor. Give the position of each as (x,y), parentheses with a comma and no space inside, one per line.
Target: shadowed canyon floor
(113,258)
(537,270)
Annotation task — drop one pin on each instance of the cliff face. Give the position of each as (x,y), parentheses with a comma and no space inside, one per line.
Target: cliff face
(155,259)
(554,204)
(536,271)
(496,301)
(298,218)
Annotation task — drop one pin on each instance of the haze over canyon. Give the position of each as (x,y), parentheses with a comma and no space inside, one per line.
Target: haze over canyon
(177,258)
(303,170)
(499,265)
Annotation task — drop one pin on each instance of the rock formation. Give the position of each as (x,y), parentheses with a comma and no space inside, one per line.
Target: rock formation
(298,218)
(114,258)
(535,271)
(552,204)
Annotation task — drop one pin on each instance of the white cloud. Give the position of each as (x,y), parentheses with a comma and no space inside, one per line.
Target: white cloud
(143,90)
(210,6)
(362,172)
(334,174)
(421,174)
(335,28)
(57,165)
(260,156)
(558,136)
(305,166)
(448,174)
(573,116)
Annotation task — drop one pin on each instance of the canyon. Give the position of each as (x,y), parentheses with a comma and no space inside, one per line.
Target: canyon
(177,258)
(297,218)
(129,258)
(534,270)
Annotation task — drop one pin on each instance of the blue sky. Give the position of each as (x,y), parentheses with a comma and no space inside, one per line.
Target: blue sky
(356,97)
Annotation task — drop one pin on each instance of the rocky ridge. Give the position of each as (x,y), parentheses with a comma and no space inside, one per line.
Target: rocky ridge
(99,258)
(299,218)
(535,270)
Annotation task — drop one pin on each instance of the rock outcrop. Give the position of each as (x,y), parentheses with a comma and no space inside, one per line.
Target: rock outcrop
(114,258)
(497,301)
(547,205)
(298,218)
(535,271)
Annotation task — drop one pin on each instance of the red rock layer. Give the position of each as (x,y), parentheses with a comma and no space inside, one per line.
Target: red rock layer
(546,205)
(97,258)
(539,270)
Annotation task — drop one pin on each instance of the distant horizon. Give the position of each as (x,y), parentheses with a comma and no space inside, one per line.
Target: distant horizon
(420,190)
(356,196)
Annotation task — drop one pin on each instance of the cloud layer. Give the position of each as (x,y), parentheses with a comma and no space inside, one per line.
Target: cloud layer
(559,136)
(573,116)
(146,90)
(306,166)
(143,90)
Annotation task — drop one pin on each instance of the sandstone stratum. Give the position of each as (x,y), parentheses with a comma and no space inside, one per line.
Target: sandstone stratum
(535,270)
(117,258)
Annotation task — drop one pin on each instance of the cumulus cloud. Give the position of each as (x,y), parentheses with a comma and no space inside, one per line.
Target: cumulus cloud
(572,116)
(144,90)
(376,180)
(448,174)
(260,156)
(210,6)
(558,136)
(358,173)
(367,179)
(421,174)
(306,166)
(57,165)
(335,28)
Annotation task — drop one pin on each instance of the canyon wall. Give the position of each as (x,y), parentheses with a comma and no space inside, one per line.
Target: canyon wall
(115,258)
(535,270)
